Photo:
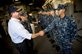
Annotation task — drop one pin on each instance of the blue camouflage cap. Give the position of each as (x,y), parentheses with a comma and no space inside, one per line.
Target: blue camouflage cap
(61,6)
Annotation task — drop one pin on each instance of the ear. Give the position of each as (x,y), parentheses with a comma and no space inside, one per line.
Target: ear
(11,13)
(63,10)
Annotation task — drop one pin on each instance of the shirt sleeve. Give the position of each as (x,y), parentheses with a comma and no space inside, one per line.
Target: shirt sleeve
(73,29)
(50,26)
(21,31)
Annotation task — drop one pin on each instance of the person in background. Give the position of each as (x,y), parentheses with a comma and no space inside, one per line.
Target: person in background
(25,22)
(66,30)
(2,40)
(17,31)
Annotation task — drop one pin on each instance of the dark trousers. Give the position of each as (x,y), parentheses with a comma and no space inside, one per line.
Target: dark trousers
(24,47)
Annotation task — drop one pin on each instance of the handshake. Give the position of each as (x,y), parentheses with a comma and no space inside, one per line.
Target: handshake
(41,33)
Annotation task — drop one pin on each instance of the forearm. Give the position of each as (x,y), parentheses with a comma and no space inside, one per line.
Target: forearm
(35,35)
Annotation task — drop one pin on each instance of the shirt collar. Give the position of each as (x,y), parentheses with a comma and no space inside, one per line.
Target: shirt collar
(12,18)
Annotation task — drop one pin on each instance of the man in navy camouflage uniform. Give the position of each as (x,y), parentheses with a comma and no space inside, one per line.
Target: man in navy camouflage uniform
(65,29)
(42,19)
(45,18)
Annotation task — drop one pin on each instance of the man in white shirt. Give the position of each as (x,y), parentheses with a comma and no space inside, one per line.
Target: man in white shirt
(18,33)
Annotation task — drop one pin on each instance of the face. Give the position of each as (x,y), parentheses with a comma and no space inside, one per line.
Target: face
(23,18)
(44,12)
(56,12)
(48,12)
(15,14)
(52,12)
(61,11)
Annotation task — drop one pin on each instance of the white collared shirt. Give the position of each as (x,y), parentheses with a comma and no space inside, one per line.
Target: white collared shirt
(17,31)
